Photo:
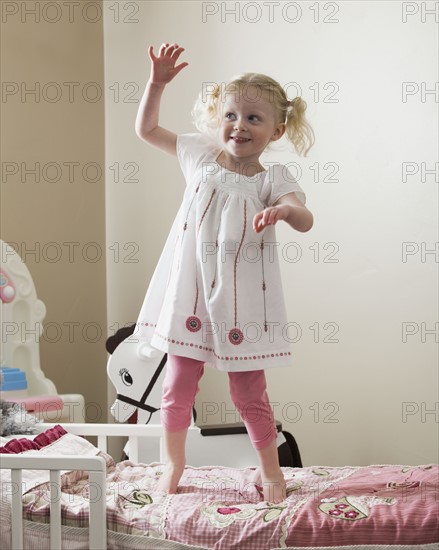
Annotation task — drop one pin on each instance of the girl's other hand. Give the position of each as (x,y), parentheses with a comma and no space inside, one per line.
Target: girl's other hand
(163,67)
(270,216)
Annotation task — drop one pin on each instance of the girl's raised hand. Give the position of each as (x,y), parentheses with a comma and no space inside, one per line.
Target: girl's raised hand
(163,67)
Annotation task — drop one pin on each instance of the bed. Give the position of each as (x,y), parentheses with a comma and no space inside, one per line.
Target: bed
(54,483)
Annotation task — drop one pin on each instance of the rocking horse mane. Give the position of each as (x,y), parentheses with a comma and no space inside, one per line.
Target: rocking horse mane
(117,338)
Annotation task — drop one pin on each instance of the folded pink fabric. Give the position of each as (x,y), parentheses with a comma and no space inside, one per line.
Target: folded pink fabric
(16,446)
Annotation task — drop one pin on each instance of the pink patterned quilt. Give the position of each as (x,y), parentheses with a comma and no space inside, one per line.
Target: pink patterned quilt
(222,508)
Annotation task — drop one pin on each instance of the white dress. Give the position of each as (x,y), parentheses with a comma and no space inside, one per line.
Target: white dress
(216,293)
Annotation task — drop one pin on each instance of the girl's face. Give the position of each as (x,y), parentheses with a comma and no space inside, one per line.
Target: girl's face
(247,125)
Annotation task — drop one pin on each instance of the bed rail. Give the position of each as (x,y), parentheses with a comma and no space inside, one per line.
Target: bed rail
(96,467)
(103,431)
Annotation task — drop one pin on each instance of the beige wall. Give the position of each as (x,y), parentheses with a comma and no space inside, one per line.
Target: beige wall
(358,390)
(54,220)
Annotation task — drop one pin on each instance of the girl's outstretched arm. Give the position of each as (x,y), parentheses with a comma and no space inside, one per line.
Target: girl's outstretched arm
(163,70)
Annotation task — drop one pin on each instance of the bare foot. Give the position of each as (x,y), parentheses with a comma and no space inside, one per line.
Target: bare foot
(272,478)
(168,481)
(274,488)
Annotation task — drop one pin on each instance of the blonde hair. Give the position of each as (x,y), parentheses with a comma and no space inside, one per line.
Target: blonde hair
(206,111)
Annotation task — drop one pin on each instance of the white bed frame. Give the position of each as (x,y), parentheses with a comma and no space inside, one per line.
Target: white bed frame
(94,465)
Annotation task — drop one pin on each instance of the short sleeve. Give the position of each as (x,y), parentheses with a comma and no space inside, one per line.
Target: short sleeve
(278,182)
(192,149)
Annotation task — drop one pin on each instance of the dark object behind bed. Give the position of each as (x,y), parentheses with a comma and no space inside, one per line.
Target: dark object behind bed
(289,454)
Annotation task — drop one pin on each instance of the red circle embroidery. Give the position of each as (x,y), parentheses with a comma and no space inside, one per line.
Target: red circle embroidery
(236,336)
(193,324)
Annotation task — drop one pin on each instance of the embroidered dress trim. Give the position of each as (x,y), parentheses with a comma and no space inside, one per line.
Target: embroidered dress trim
(211,350)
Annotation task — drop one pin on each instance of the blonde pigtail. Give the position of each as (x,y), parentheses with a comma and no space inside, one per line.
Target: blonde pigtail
(297,128)
(205,111)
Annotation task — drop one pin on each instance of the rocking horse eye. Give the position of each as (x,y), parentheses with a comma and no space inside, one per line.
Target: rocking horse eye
(126,377)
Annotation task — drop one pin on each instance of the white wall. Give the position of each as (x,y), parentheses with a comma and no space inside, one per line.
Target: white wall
(358,390)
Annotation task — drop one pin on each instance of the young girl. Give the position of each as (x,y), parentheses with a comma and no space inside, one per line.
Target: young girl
(216,294)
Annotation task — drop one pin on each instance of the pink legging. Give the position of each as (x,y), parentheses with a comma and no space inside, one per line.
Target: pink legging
(248,391)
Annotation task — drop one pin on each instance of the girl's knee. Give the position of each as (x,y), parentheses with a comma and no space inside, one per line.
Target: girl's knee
(248,386)
(182,375)
(179,390)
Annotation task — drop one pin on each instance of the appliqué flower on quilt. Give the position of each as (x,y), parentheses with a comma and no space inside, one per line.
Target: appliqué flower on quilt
(221,515)
(352,508)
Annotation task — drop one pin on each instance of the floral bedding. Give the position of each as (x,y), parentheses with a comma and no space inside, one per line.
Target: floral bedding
(223,508)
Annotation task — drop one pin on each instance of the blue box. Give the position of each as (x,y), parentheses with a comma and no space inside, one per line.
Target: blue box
(12,379)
